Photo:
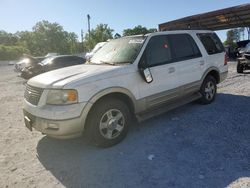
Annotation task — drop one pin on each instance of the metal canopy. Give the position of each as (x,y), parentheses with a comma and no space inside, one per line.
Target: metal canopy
(233,17)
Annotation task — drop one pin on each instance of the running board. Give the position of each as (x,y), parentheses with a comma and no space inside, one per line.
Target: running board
(167,107)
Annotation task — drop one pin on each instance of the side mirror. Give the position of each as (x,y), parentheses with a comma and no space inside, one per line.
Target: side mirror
(144,70)
(147,75)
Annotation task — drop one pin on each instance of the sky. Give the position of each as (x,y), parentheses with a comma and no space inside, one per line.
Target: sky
(20,15)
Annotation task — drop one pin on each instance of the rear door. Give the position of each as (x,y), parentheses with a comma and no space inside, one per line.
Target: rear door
(189,61)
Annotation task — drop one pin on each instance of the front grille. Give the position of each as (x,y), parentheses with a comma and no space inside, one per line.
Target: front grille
(33,94)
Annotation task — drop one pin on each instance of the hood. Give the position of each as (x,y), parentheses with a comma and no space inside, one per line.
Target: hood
(59,78)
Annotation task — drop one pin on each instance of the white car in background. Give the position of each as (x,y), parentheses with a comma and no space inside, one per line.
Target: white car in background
(97,47)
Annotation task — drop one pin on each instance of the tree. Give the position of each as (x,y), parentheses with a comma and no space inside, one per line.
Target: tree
(8,39)
(233,36)
(138,30)
(51,37)
(100,34)
(45,37)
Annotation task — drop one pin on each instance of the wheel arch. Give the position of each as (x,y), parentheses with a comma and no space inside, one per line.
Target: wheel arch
(117,92)
(213,71)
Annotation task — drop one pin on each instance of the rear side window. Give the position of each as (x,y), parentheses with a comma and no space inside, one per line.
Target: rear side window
(158,51)
(184,47)
(211,42)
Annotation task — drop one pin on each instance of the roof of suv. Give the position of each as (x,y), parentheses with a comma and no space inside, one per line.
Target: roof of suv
(179,31)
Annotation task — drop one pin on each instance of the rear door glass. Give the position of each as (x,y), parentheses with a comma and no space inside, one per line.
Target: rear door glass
(184,47)
(211,42)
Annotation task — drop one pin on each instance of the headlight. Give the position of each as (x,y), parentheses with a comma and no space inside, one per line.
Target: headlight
(26,61)
(61,97)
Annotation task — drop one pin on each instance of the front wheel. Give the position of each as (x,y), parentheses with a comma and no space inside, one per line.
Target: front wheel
(208,90)
(108,122)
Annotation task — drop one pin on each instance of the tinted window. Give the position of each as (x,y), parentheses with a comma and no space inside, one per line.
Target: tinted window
(77,60)
(66,61)
(184,47)
(211,42)
(158,51)
(60,62)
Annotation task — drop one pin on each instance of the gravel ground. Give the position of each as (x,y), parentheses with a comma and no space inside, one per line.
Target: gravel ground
(192,146)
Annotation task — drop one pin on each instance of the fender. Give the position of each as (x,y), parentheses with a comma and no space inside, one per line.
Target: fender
(101,94)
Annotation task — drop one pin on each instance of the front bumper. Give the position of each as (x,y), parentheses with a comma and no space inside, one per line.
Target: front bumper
(244,60)
(56,121)
(69,128)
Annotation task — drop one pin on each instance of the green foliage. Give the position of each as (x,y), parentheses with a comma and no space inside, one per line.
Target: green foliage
(100,34)
(138,30)
(11,52)
(45,37)
(233,36)
(7,38)
(50,37)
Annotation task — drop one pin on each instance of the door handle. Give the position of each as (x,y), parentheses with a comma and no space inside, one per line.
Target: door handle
(202,62)
(171,70)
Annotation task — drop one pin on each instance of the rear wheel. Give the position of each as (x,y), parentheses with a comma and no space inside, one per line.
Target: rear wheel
(108,122)
(208,90)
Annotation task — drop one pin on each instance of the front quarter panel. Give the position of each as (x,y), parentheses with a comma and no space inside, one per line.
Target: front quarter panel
(123,83)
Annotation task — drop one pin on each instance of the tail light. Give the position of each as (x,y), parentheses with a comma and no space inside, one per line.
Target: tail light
(226,59)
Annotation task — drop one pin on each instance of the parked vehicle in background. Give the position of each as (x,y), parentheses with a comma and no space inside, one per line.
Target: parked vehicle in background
(243,62)
(27,61)
(139,76)
(241,46)
(51,63)
(97,47)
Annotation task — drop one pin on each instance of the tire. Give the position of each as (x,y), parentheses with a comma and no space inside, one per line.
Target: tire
(208,90)
(108,122)
(239,68)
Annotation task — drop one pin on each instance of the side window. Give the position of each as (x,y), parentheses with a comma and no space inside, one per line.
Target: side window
(77,60)
(158,51)
(184,47)
(68,61)
(61,62)
(57,61)
(211,42)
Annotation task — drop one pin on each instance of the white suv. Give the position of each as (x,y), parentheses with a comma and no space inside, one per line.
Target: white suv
(139,76)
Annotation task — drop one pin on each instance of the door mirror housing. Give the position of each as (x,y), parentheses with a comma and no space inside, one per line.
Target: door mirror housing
(147,75)
(144,70)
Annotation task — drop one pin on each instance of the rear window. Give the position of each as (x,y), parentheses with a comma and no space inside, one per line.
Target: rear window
(211,42)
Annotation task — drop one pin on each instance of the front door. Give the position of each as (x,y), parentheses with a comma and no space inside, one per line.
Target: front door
(159,58)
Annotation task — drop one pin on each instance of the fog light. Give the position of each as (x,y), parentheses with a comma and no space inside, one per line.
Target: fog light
(53,126)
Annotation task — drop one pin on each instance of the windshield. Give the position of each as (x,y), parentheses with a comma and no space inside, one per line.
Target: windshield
(47,60)
(119,51)
(97,47)
(248,46)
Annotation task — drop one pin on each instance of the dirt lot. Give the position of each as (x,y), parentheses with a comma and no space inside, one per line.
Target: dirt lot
(192,146)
